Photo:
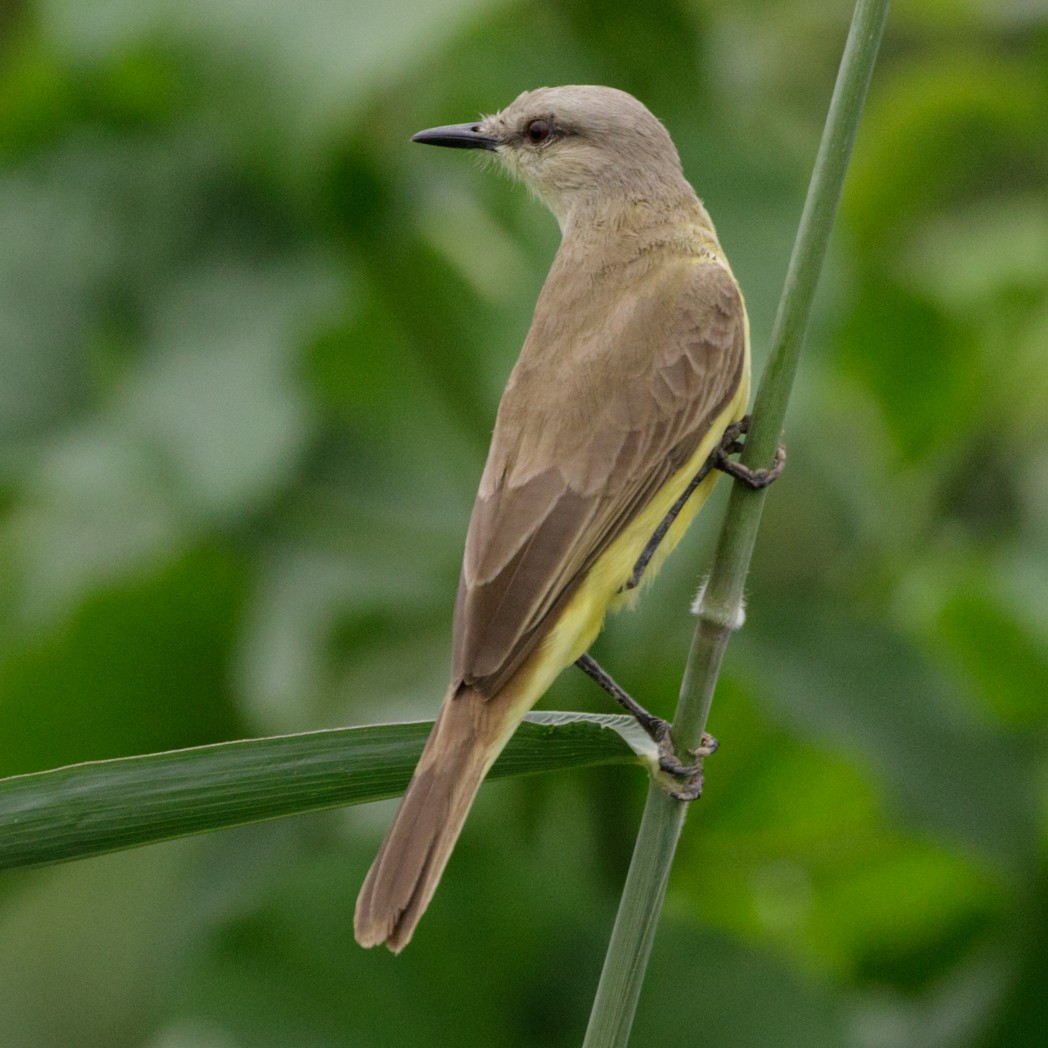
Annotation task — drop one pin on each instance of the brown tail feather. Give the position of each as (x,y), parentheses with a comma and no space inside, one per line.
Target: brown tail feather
(467,737)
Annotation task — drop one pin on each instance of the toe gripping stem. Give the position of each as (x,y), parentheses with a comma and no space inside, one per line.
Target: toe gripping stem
(730,444)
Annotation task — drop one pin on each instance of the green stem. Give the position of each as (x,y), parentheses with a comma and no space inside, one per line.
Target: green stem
(720,610)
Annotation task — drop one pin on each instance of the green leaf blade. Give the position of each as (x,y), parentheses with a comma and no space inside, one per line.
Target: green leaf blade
(90,809)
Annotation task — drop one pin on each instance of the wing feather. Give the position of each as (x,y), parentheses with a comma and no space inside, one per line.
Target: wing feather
(595,419)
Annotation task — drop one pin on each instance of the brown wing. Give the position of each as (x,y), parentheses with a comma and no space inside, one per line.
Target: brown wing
(598,414)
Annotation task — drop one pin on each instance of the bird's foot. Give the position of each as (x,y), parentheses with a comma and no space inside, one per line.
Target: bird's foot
(730,444)
(681,781)
(684,781)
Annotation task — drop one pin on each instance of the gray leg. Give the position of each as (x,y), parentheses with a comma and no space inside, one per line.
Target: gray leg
(754,478)
(657,728)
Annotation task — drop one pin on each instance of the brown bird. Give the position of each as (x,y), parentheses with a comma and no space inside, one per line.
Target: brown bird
(636,364)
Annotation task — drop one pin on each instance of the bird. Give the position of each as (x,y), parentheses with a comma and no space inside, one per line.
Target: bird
(632,384)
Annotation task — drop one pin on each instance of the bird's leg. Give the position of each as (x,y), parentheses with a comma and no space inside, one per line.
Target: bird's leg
(718,459)
(664,525)
(658,729)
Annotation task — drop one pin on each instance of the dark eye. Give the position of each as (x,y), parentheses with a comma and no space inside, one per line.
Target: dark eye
(539,131)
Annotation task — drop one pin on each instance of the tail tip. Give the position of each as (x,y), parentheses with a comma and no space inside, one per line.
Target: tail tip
(371,932)
(373,928)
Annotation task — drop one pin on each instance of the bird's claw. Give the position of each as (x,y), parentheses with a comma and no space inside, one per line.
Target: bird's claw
(685,783)
(730,445)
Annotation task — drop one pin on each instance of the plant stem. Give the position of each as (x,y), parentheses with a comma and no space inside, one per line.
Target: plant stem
(720,610)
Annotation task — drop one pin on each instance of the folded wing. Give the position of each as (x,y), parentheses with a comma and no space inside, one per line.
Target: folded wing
(597,416)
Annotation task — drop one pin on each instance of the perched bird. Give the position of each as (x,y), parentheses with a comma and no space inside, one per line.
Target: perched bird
(635,366)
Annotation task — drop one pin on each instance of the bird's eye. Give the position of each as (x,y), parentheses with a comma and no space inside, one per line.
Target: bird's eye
(539,131)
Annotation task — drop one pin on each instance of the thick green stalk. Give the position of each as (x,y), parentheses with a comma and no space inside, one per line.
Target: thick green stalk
(720,609)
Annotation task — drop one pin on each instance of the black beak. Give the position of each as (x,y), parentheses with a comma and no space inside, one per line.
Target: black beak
(457,136)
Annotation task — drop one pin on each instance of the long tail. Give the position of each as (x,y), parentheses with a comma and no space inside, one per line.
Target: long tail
(468,735)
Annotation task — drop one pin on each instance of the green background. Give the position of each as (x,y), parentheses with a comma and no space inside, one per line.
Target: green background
(251,345)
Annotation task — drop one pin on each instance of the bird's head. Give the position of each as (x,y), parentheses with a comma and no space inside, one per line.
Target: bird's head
(576,145)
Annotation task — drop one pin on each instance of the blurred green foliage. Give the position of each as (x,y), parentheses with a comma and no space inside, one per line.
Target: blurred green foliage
(251,344)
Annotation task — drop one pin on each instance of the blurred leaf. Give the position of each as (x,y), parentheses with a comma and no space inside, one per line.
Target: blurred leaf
(796,800)
(984,257)
(60,924)
(42,97)
(135,666)
(92,512)
(38,98)
(850,683)
(1023,1010)
(750,999)
(978,119)
(279,966)
(1004,658)
(903,913)
(792,846)
(928,397)
(355,368)
(216,396)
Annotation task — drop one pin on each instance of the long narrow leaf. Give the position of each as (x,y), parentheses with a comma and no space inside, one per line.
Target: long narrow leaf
(90,809)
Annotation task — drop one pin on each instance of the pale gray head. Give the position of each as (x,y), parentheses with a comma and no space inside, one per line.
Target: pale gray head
(575,146)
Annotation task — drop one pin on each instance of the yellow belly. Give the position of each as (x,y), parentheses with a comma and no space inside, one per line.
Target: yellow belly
(602,589)
(583,616)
